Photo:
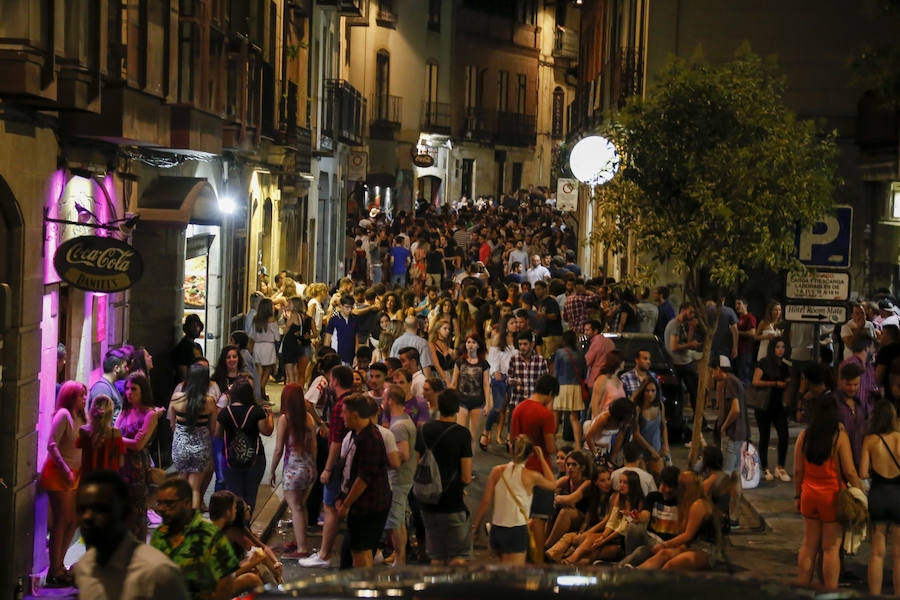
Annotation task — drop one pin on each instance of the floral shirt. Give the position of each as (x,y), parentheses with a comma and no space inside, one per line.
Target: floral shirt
(201,551)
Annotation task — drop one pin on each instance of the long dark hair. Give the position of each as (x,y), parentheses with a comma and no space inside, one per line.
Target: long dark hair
(139,379)
(824,424)
(635,491)
(883,419)
(294,406)
(264,312)
(220,373)
(196,388)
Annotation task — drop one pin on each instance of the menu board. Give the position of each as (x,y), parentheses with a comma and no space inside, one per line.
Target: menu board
(195,282)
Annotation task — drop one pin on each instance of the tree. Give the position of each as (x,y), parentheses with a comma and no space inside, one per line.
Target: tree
(717,175)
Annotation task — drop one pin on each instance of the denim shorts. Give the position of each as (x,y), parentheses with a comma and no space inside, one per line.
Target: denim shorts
(731,455)
(399,507)
(332,488)
(509,540)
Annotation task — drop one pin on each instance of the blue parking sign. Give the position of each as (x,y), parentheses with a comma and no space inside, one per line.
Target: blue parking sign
(827,243)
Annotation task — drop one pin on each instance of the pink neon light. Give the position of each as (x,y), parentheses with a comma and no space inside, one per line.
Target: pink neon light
(54,193)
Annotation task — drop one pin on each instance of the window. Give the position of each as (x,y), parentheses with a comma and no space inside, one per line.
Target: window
(895,200)
(382,84)
(434,15)
(521,93)
(503,91)
(431,82)
(468,170)
(526,12)
(471,77)
(516,176)
(559,111)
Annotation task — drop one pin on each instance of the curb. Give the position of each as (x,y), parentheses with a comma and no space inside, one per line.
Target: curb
(266,520)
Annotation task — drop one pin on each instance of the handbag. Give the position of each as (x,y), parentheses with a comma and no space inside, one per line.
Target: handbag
(534,553)
(757,398)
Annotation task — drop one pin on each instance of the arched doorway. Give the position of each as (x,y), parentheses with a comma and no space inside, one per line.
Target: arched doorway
(428,188)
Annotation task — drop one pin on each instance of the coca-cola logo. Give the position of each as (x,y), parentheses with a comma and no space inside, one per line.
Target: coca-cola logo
(98,264)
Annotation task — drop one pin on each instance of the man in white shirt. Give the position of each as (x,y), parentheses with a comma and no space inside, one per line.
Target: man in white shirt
(632,453)
(537,272)
(518,254)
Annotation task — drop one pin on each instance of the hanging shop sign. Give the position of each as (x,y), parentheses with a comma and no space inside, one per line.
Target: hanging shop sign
(567,194)
(423,161)
(98,264)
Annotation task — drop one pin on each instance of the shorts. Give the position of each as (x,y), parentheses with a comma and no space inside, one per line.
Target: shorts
(731,455)
(541,504)
(471,404)
(447,535)
(819,504)
(552,343)
(332,488)
(509,540)
(399,507)
(365,530)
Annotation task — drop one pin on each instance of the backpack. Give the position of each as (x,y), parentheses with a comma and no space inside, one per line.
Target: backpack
(427,484)
(240,452)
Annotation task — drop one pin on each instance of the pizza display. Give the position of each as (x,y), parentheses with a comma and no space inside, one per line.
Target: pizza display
(195,282)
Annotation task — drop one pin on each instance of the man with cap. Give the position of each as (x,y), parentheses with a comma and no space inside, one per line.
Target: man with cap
(887,315)
(732,418)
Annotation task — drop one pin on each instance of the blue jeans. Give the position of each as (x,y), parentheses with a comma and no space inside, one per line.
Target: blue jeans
(218,449)
(244,483)
(376,274)
(744,367)
(398,279)
(499,390)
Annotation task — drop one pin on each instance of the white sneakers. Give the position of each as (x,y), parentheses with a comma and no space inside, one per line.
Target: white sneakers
(313,561)
(780,473)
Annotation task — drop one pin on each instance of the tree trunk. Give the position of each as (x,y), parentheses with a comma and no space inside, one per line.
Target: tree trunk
(700,407)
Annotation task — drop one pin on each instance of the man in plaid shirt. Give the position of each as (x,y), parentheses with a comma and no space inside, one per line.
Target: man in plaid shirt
(632,380)
(366,504)
(577,307)
(341,383)
(525,369)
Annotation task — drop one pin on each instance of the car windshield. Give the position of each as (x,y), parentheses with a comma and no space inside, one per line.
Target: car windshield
(630,346)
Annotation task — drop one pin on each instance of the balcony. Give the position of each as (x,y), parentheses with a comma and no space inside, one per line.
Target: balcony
(565,44)
(619,79)
(499,127)
(386,17)
(350,8)
(436,117)
(386,114)
(345,111)
(486,28)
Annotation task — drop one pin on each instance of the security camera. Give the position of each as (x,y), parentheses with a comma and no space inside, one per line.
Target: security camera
(126,227)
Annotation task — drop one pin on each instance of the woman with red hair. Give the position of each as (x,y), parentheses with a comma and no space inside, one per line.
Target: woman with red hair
(295,438)
(60,476)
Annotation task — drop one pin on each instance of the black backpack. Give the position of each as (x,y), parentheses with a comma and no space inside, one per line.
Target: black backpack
(240,451)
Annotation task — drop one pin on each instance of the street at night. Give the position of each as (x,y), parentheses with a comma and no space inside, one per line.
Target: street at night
(449,298)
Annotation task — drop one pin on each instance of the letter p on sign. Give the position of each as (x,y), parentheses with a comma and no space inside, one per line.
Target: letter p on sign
(827,243)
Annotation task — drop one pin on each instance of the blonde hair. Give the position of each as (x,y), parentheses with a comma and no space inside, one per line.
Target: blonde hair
(314,289)
(290,287)
(433,337)
(101,415)
(522,448)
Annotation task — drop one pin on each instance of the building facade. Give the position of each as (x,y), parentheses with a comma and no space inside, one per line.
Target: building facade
(192,116)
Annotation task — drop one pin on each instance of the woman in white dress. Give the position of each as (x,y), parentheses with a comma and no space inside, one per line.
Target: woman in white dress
(265,338)
(767,329)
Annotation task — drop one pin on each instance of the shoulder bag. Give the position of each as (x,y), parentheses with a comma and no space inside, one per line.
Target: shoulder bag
(585,391)
(757,397)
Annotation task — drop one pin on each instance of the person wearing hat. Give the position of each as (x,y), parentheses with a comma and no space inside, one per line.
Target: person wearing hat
(731,422)
(186,350)
(889,314)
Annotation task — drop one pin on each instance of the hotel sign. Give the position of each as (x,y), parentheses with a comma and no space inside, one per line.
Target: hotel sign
(98,264)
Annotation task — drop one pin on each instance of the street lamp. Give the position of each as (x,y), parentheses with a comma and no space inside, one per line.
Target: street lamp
(594,160)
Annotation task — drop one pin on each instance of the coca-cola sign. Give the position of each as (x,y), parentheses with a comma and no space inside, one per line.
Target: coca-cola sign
(98,264)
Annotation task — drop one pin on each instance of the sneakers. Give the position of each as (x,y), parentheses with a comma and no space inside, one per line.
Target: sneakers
(769,476)
(781,474)
(314,561)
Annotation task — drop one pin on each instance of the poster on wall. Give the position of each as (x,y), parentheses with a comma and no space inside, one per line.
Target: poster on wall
(567,194)
(357,166)
(195,274)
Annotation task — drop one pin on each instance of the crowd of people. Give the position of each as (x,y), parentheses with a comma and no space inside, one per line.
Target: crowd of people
(454,333)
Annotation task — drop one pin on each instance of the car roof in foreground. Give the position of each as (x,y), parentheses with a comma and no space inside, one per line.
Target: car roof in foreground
(496,582)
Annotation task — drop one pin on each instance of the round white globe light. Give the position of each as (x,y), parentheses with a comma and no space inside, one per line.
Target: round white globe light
(594,160)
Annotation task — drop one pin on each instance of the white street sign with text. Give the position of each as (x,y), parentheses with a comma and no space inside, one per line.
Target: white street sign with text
(818,285)
(815,313)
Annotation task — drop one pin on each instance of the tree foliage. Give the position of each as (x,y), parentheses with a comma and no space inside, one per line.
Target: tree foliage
(717,175)
(717,172)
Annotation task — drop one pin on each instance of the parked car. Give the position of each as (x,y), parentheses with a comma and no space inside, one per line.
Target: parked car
(660,363)
(490,582)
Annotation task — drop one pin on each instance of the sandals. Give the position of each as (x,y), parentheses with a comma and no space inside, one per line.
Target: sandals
(482,443)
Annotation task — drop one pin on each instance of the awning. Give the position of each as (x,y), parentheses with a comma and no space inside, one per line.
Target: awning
(180,200)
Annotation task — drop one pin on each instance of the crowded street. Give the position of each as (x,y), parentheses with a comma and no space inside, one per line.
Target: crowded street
(449,298)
